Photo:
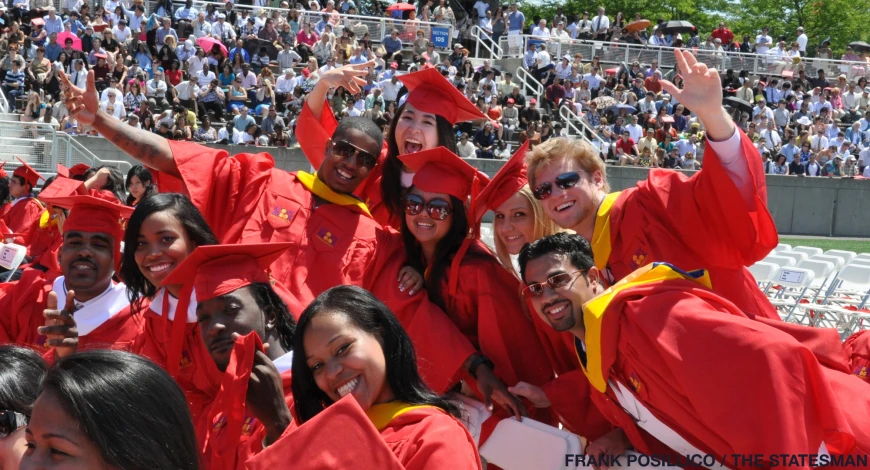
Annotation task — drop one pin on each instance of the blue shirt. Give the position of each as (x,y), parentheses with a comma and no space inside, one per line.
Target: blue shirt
(516,21)
(237,50)
(52,51)
(392,45)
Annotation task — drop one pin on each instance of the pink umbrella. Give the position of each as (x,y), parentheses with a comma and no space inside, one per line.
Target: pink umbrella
(401,7)
(206,43)
(76,42)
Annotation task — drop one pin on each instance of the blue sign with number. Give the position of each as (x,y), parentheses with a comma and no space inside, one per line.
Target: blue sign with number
(441,37)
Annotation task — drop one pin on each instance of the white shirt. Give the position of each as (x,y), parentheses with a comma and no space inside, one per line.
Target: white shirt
(481,8)
(772,139)
(187,90)
(761,38)
(93,313)
(390,90)
(121,34)
(240,137)
(635,131)
(155,88)
(79,78)
(599,23)
(541,32)
(204,79)
(285,85)
(119,95)
(157,304)
(542,58)
(802,42)
(194,65)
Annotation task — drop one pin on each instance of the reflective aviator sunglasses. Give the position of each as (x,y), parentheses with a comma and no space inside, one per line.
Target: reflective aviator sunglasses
(438,208)
(556,281)
(563,181)
(347,150)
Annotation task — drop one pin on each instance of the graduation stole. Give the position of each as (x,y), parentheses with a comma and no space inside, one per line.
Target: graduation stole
(597,322)
(382,414)
(46,220)
(601,246)
(320,189)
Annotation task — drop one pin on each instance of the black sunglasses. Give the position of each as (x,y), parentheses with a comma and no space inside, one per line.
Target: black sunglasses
(11,421)
(563,181)
(345,150)
(438,209)
(556,281)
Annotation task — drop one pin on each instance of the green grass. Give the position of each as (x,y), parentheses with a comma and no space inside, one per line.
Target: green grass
(858,246)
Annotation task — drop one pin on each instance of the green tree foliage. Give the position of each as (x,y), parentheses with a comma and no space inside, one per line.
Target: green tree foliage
(843,21)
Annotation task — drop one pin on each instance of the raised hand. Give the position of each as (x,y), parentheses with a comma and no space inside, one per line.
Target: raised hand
(60,326)
(82,104)
(265,397)
(701,93)
(350,77)
(410,280)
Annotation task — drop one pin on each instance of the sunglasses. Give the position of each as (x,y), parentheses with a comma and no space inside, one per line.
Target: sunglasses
(563,181)
(556,281)
(11,421)
(345,150)
(438,209)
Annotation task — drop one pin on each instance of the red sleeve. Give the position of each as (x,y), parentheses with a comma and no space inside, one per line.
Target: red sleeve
(438,442)
(730,370)
(571,400)
(23,223)
(167,183)
(709,209)
(225,189)
(341,436)
(441,348)
(313,133)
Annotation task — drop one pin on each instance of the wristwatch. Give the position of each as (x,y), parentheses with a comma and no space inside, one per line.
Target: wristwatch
(477,361)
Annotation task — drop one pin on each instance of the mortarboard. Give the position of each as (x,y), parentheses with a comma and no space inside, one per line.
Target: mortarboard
(430,92)
(27,172)
(507,182)
(60,187)
(3,173)
(216,270)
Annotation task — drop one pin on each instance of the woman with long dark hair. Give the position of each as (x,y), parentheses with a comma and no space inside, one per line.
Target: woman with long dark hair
(109,409)
(423,121)
(109,179)
(162,232)
(349,343)
(139,184)
(485,305)
(248,331)
(21,373)
(5,196)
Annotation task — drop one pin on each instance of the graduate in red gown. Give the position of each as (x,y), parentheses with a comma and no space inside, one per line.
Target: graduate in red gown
(517,222)
(248,331)
(24,209)
(162,232)
(4,191)
(682,371)
(479,295)
(245,199)
(45,314)
(76,172)
(716,220)
(425,121)
(348,343)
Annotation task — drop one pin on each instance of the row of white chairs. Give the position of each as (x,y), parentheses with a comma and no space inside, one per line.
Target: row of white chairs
(822,289)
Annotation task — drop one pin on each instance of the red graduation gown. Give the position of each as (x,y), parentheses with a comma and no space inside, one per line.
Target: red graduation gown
(725,382)
(43,245)
(700,222)
(858,349)
(342,436)
(313,134)
(488,311)
(228,436)
(22,304)
(197,375)
(245,199)
(20,217)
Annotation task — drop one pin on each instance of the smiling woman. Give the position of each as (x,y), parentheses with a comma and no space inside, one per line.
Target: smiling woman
(348,342)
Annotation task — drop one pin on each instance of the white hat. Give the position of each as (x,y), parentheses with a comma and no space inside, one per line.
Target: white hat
(804,121)
(221,16)
(188,45)
(290,71)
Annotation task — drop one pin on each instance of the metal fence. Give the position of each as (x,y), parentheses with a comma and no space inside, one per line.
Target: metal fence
(615,54)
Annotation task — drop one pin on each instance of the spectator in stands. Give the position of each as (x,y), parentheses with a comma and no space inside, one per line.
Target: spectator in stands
(13,83)
(485,140)
(465,148)
(393,46)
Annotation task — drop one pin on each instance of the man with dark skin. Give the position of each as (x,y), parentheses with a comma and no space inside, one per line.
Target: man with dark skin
(271,205)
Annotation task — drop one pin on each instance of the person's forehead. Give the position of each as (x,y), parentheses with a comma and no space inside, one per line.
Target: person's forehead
(542,267)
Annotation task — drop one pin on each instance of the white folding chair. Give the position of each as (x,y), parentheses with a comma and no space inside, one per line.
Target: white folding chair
(809,250)
(797,256)
(843,306)
(822,270)
(847,255)
(782,247)
(860,262)
(793,286)
(781,261)
(838,261)
(530,445)
(764,273)
(11,257)
(474,413)
(863,256)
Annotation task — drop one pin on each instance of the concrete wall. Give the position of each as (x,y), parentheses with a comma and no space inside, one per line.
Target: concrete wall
(800,205)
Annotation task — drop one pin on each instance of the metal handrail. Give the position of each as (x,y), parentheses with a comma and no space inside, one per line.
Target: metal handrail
(572,119)
(74,151)
(529,81)
(482,39)
(617,53)
(4,104)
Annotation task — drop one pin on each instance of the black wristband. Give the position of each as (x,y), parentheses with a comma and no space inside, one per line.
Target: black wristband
(476,362)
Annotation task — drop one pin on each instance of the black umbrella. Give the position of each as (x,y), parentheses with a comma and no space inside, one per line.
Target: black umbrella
(677,26)
(860,46)
(738,103)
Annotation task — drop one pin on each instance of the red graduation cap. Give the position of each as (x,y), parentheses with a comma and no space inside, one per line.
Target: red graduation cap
(27,172)
(62,170)
(430,92)
(216,270)
(92,213)
(78,169)
(439,170)
(3,173)
(507,182)
(60,187)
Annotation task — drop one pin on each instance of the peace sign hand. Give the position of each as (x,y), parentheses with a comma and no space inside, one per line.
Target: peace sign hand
(60,326)
(350,77)
(701,93)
